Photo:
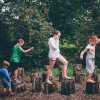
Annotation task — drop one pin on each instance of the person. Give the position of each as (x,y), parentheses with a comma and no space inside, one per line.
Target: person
(16,56)
(90,57)
(54,55)
(6,80)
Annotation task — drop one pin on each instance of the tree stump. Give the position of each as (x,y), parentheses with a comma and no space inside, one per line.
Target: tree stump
(18,88)
(92,88)
(49,88)
(36,84)
(79,78)
(44,74)
(60,73)
(77,68)
(67,86)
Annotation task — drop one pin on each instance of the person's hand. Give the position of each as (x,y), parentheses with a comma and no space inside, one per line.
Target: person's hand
(81,57)
(32,48)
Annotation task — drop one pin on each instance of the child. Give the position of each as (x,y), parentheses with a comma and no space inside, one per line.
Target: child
(90,58)
(6,78)
(16,56)
(54,55)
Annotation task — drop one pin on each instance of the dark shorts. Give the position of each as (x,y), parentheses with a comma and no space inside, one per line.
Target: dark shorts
(13,66)
(6,84)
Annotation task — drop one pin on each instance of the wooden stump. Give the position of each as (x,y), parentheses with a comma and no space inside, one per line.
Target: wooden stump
(49,88)
(44,74)
(67,86)
(79,78)
(18,88)
(92,88)
(36,84)
(96,77)
(77,68)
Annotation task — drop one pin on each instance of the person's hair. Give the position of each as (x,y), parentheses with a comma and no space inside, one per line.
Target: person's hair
(5,63)
(54,33)
(93,38)
(20,41)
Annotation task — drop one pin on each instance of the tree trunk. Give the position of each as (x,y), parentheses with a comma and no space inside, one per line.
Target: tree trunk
(18,88)
(49,88)
(79,78)
(36,84)
(92,88)
(67,86)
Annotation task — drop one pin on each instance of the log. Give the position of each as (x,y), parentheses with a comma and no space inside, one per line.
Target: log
(36,84)
(67,86)
(49,88)
(18,88)
(77,68)
(79,78)
(44,74)
(92,88)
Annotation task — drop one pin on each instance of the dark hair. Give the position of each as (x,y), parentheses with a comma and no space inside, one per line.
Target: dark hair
(54,33)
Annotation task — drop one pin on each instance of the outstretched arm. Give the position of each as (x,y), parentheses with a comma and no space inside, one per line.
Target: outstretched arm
(82,53)
(25,51)
(98,41)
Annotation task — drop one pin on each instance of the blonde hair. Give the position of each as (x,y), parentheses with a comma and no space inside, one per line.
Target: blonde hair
(5,63)
(93,38)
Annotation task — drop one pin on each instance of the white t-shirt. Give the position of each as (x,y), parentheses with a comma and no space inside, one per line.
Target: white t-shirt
(54,51)
(91,50)
(90,47)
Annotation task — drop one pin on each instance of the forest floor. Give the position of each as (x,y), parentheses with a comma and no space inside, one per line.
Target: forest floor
(29,95)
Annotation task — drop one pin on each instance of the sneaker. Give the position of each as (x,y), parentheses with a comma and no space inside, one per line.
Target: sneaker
(17,81)
(11,94)
(48,81)
(66,77)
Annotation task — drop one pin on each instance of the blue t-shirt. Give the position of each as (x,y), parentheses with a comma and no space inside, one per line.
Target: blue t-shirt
(4,75)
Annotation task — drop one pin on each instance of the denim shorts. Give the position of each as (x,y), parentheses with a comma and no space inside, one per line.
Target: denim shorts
(6,84)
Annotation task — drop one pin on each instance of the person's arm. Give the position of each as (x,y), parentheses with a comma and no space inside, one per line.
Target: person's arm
(25,51)
(7,75)
(82,53)
(52,44)
(98,41)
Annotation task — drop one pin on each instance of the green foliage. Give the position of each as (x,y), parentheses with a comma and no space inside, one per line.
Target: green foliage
(34,21)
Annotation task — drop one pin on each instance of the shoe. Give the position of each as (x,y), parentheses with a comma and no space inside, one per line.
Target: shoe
(48,81)
(11,94)
(66,77)
(17,81)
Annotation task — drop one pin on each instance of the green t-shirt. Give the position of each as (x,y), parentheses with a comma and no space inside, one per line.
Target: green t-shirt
(16,53)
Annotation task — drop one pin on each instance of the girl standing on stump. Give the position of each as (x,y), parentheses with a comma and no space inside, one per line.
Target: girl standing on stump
(90,58)
(54,54)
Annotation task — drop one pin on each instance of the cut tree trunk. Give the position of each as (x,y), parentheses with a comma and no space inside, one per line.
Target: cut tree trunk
(49,88)
(36,84)
(67,86)
(79,78)
(92,88)
(18,88)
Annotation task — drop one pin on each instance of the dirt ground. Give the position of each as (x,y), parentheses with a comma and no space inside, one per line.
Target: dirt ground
(29,95)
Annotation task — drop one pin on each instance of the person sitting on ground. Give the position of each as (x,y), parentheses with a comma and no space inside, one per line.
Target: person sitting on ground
(15,58)
(6,80)
(90,58)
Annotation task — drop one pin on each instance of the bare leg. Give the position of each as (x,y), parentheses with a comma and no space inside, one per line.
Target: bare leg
(15,74)
(64,68)
(51,65)
(89,78)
